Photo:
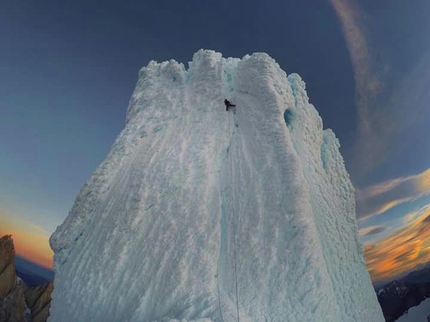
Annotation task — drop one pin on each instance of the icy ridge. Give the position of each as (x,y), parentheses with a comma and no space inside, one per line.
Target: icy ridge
(201,215)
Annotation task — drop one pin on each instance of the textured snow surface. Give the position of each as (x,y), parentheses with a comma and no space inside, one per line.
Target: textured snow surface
(420,313)
(198,214)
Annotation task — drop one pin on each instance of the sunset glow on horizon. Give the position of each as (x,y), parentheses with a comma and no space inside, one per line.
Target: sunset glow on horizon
(30,240)
(402,251)
(396,252)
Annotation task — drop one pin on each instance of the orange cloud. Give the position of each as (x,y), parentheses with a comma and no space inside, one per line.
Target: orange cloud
(31,241)
(423,181)
(379,198)
(391,204)
(371,230)
(415,214)
(402,251)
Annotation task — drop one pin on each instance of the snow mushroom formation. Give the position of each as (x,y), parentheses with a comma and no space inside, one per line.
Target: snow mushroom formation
(198,214)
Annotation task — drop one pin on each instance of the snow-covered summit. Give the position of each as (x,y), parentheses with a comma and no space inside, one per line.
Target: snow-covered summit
(420,313)
(399,288)
(198,214)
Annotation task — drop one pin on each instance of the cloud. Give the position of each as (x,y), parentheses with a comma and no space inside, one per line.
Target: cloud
(401,251)
(367,84)
(372,230)
(389,104)
(40,229)
(415,214)
(379,198)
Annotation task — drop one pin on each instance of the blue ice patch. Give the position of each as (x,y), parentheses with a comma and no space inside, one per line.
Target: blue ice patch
(288,118)
(157,129)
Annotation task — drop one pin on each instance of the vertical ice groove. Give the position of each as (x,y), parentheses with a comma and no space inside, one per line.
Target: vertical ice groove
(188,193)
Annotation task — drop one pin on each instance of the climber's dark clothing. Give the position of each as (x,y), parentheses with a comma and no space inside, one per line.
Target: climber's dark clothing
(228,104)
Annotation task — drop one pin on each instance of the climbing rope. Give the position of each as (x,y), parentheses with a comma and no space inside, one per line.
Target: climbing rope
(228,154)
(221,192)
(234,225)
(219,297)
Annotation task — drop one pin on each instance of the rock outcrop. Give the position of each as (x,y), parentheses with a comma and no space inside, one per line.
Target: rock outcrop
(38,299)
(397,297)
(12,303)
(18,302)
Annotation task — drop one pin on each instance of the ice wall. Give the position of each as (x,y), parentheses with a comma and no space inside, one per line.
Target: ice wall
(198,214)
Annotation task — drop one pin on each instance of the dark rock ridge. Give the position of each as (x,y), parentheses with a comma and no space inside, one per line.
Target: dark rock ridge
(419,276)
(12,304)
(397,297)
(38,299)
(18,302)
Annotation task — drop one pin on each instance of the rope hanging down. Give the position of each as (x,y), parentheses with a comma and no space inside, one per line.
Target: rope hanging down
(233,218)
(228,154)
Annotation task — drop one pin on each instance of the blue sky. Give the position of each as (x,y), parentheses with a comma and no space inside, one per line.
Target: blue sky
(67,71)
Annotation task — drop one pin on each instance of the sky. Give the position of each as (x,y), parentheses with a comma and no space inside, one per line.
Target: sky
(67,71)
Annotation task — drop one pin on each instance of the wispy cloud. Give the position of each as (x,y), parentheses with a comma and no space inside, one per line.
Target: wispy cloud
(402,251)
(388,104)
(367,152)
(415,214)
(40,229)
(377,199)
(372,230)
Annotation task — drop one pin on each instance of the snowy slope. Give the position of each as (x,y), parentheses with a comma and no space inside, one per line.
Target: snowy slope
(199,214)
(420,313)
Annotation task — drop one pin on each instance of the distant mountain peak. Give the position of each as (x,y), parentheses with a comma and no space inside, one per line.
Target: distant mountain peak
(397,297)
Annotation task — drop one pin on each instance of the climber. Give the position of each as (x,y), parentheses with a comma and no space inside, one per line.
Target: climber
(228,104)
